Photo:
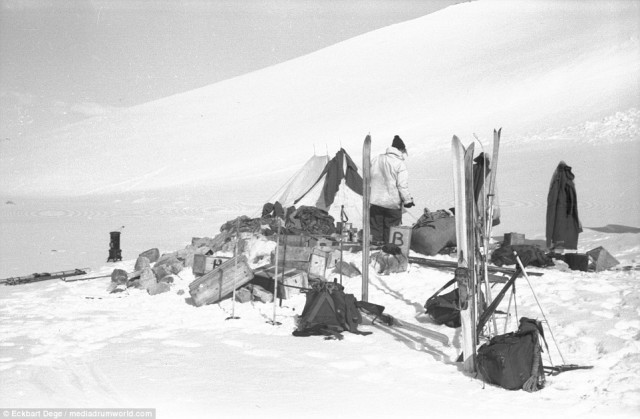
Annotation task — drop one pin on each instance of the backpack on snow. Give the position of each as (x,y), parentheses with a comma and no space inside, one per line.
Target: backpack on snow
(445,308)
(328,311)
(513,361)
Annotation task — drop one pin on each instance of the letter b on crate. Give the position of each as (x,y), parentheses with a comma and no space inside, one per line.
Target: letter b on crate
(401,237)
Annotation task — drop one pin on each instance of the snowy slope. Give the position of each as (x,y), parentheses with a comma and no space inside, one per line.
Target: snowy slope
(470,67)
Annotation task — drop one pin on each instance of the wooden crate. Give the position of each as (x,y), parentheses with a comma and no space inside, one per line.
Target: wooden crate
(219,283)
(298,279)
(577,261)
(326,244)
(513,238)
(320,260)
(293,277)
(206,263)
(298,240)
(602,259)
(293,253)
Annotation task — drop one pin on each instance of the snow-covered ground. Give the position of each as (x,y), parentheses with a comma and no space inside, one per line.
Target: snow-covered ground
(562,81)
(73,345)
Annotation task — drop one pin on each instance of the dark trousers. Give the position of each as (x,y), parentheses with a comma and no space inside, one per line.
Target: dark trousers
(381,220)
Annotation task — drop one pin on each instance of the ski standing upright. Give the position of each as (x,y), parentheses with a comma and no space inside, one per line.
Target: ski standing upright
(366,195)
(465,239)
(487,214)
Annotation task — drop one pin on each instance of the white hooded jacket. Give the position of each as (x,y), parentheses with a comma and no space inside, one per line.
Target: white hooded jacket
(390,180)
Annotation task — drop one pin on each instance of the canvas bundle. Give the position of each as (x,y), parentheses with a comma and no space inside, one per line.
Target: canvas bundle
(513,360)
(433,232)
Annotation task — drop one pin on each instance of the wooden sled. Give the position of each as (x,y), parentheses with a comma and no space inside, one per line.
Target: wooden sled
(45,276)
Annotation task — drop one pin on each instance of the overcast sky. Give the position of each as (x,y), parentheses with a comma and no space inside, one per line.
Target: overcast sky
(64,60)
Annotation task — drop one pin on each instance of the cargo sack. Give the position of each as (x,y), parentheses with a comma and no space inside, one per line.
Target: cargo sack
(312,220)
(513,361)
(433,232)
(445,309)
(329,311)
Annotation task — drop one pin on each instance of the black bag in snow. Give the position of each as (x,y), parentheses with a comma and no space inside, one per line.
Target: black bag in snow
(445,308)
(529,255)
(329,311)
(513,361)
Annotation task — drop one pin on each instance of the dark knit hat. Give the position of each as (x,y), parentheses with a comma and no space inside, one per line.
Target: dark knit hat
(399,144)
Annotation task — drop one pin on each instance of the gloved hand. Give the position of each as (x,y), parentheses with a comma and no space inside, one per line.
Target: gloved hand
(409,204)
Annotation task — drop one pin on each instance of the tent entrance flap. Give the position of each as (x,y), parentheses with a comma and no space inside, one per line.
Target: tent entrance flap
(338,183)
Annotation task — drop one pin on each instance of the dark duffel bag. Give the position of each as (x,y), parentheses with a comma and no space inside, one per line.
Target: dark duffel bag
(444,309)
(513,361)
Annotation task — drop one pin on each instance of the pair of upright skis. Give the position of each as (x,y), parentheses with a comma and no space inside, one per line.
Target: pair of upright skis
(473,230)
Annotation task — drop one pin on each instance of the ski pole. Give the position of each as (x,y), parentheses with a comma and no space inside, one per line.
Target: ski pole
(539,306)
(515,301)
(506,320)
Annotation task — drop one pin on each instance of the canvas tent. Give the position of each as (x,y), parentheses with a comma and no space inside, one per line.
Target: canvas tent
(328,184)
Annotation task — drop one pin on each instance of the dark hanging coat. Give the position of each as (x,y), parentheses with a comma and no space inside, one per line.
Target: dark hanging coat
(563,224)
(481,170)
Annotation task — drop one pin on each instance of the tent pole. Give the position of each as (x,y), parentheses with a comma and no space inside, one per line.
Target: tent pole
(235,272)
(342,221)
(275,277)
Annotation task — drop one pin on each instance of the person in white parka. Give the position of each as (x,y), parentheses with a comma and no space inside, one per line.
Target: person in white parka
(389,191)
